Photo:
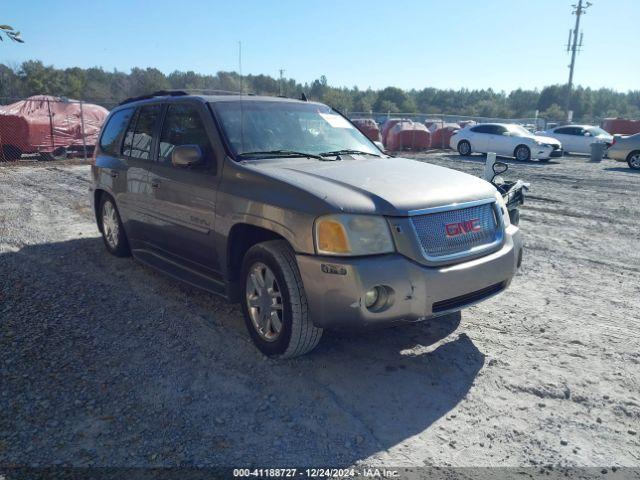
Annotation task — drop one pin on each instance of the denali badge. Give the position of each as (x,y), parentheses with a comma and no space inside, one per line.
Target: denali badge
(461,228)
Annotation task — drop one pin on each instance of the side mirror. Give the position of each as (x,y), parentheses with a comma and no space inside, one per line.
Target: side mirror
(506,134)
(587,134)
(379,145)
(500,167)
(185,156)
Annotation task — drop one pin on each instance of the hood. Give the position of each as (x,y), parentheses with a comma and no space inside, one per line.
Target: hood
(385,186)
(543,139)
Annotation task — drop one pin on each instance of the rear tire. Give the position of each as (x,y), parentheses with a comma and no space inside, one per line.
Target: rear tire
(464,148)
(522,153)
(113,234)
(274,302)
(633,160)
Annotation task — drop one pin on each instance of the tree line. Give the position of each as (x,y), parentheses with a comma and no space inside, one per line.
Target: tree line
(110,87)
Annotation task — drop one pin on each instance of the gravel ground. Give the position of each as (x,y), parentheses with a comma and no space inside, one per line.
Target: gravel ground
(104,362)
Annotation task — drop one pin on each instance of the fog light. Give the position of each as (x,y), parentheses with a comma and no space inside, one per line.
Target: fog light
(371,297)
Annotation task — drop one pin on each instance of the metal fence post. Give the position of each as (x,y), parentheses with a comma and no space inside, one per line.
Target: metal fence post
(53,145)
(84,134)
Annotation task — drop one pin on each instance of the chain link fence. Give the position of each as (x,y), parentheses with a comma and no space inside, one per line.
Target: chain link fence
(421,131)
(43,127)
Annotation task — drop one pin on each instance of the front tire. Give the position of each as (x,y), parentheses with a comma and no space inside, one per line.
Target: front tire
(633,160)
(113,234)
(274,302)
(522,153)
(464,148)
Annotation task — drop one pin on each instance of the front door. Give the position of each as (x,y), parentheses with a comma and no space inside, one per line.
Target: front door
(185,197)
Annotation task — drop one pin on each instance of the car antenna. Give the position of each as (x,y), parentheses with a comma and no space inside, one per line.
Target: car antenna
(241,99)
(303,97)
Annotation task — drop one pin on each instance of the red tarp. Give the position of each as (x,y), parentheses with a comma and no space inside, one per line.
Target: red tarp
(369,127)
(441,136)
(43,123)
(621,126)
(408,136)
(388,125)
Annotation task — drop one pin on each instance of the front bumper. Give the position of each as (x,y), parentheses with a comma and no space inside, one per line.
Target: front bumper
(335,287)
(545,151)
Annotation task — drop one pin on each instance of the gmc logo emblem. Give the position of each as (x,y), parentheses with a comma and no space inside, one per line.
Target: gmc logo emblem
(462,228)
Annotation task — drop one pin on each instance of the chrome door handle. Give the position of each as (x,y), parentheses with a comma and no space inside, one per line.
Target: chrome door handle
(113,174)
(155,184)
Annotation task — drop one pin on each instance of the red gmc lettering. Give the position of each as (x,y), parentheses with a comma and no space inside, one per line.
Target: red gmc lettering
(461,228)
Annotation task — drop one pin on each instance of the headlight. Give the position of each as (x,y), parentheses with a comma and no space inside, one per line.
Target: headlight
(503,208)
(352,235)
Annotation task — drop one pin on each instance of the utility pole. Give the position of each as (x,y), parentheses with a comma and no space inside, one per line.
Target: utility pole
(574,46)
(281,81)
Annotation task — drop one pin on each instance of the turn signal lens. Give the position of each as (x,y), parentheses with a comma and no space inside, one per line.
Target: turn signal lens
(332,237)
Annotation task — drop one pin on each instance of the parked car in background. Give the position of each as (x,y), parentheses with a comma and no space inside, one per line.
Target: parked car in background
(626,149)
(578,138)
(284,206)
(508,140)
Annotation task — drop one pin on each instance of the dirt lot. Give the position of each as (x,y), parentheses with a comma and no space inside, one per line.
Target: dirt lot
(105,362)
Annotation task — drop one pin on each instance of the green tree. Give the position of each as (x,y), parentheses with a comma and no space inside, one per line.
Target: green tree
(10,33)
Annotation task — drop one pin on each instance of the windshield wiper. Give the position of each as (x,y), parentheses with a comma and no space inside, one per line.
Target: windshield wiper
(282,153)
(347,151)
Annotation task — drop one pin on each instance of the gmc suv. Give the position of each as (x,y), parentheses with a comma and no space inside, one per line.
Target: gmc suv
(284,206)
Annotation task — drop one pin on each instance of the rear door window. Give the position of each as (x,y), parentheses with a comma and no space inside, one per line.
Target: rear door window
(481,129)
(113,131)
(139,137)
(183,126)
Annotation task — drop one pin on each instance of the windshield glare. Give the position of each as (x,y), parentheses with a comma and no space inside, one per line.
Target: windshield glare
(257,126)
(595,131)
(520,130)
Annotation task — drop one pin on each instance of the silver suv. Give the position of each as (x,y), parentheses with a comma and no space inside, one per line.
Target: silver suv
(284,206)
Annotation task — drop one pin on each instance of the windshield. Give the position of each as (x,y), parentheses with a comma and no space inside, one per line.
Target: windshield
(595,131)
(253,127)
(520,130)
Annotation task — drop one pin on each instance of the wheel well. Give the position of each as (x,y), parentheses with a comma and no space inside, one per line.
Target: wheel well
(631,153)
(518,146)
(97,198)
(241,238)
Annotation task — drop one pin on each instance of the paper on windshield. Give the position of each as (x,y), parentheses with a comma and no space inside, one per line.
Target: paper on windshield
(336,121)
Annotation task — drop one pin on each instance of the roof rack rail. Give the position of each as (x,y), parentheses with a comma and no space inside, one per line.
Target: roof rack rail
(159,93)
(205,91)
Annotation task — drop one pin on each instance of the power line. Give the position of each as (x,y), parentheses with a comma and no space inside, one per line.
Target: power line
(574,45)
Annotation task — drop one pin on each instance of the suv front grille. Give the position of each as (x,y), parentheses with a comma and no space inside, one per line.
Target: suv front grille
(458,232)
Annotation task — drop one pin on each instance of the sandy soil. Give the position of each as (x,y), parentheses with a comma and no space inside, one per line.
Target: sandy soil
(105,362)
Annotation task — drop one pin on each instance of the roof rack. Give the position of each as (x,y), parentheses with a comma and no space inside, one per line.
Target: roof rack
(159,93)
(181,93)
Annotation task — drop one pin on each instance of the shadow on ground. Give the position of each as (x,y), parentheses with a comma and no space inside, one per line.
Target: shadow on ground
(105,362)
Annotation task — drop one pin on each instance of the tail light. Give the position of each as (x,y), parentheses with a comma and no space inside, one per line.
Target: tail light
(613,142)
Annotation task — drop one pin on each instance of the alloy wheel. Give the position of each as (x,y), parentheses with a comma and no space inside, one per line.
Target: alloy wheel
(110,224)
(264,302)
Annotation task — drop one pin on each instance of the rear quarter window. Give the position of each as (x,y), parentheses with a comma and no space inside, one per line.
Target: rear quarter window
(112,133)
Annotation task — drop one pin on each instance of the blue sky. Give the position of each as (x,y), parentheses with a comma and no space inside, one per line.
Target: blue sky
(502,44)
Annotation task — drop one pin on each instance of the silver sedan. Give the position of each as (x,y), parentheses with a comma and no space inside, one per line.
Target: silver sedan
(626,149)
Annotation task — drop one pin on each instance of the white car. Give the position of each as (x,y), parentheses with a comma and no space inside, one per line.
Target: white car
(578,138)
(507,140)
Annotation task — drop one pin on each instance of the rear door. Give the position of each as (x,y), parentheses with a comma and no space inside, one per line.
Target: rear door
(498,141)
(185,197)
(567,138)
(137,154)
(480,138)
